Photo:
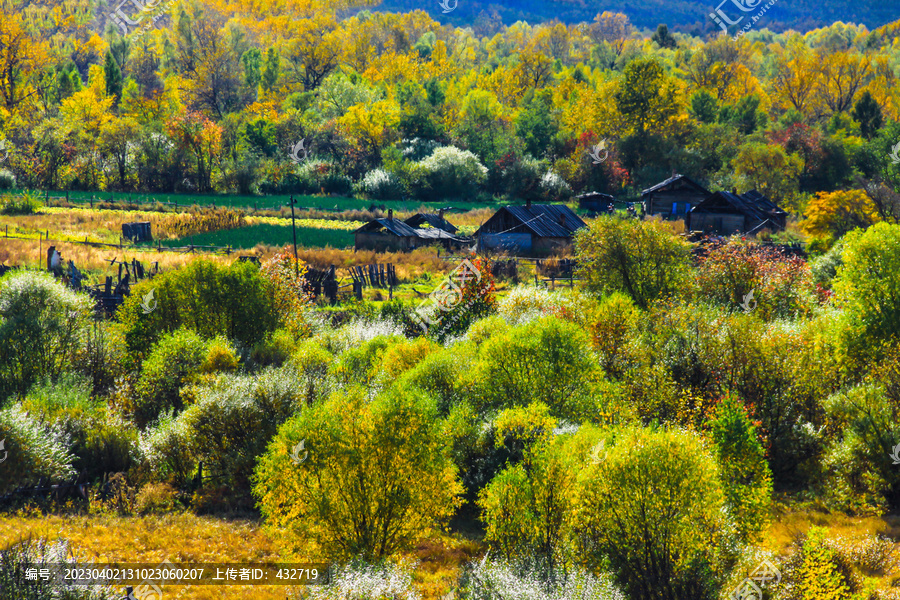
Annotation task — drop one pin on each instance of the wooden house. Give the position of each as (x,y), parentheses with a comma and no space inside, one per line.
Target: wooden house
(390,234)
(673,197)
(725,213)
(595,202)
(536,229)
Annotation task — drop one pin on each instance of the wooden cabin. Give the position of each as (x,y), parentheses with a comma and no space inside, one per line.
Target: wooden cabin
(425,220)
(595,202)
(674,197)
(390,235)
(534,229)
(726,213)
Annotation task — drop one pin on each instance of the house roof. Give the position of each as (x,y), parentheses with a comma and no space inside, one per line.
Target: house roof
(673,179)
(395,226)
(433,220)
(401,229)
(544,220)
(752,203)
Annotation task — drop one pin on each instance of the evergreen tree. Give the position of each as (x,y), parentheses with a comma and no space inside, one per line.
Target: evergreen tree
(868,114)
(663,37)
(113,76)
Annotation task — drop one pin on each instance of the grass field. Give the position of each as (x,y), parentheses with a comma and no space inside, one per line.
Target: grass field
(335,203)
(269,234)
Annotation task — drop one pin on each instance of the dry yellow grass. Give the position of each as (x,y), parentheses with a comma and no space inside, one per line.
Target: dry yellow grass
(186,538)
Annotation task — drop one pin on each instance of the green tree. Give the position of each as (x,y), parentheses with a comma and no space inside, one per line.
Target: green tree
(372,476)
(650,506)
(536,125)
(642,259)
(868,114)
(704,106)
(746,477)
(251,60)
(113,76)
(663,37)
(271,69)
(770,170)
(647,98)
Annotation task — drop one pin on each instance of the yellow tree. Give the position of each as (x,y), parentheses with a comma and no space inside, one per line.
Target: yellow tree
(374,124)
(769,170)
(841,75)
(834,214)
(795,77)
(200,137)
(314,50)
(718,65)
(612,28)
(21,59)
(84,115)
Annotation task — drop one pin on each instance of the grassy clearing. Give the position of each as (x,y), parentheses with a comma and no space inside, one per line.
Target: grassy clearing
(336,203)
(271,235)
(186,538)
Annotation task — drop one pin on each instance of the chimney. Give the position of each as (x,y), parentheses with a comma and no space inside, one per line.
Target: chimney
(562,220)
(441,213)
(734,191)
(390,214)
(528,203)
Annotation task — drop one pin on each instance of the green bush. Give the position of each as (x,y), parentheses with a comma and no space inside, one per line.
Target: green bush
(546,360)
(100,441)
(642,259)
(31,451)
(372,477)
(234,301)
(19,204)
(652,508)
(746,477)
(7,180)
(438,374)
(42,326)
(174,362)
(312,366)
(166,449)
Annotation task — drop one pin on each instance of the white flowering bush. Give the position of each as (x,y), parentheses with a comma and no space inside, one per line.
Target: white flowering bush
(490,579)
(359,331)
(363,581)
(554,187)
(381,184)
(165,446)
(525,303)
(30,451)
(17,559)
(451,172)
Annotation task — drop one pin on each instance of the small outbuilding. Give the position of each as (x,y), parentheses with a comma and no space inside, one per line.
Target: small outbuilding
(391,235)
(537,229)
(725,213)
(673,197)
(426,220)
(595,202)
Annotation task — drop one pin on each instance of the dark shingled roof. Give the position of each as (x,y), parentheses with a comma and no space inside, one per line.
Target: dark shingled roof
(752,203)
(544,220)
(672,180)
(434,220)
(395,226)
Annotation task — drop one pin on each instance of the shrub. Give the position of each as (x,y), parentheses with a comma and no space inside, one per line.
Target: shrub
(42,324)
(232,421)
(525,302)
(31,451)
(235,301)
(359,580)
(866,287)
(457,306)
(312,365)
(220,357)
(100,441)
(746,477)
(521,579)
(27,203)
(819,576)
(639,258)
(155,498)
(554,188)
(452,173)
(166,448)
(274,349)
(765,279)
(438,374)
(612,328)
(17,559)
(376,476)
(547,360)
(174,362)
(7,179)
(657,544)
(381,185)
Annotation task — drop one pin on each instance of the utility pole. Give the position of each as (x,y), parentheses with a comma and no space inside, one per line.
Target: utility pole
(294,230)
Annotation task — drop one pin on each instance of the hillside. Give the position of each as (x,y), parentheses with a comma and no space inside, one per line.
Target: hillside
(686,16)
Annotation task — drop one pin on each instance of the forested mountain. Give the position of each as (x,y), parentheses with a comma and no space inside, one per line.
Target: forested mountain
(687,16)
